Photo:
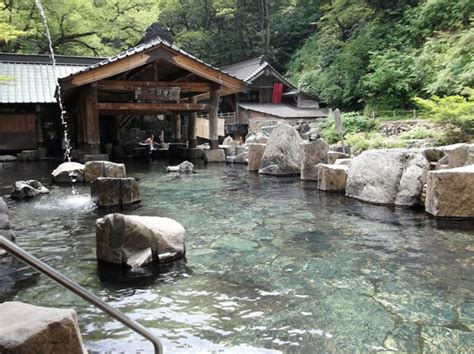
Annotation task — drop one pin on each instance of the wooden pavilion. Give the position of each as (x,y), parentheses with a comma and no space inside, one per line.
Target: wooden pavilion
(150,79)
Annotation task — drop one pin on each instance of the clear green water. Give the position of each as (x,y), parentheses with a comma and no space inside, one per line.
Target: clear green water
(272,264)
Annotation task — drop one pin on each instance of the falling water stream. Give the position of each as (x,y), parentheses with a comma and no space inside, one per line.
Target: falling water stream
(67,153)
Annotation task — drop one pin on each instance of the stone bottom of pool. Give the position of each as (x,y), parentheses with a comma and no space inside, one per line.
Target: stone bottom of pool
(272,264)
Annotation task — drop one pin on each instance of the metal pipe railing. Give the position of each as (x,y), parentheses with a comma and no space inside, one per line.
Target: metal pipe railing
(79,290)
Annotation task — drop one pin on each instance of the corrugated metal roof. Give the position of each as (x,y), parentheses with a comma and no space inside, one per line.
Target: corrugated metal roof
(145,46)
(30,78)
(284,110)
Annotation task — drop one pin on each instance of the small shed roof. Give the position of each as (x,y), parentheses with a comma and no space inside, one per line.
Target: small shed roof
(284,110)
(30,79)
(251,69)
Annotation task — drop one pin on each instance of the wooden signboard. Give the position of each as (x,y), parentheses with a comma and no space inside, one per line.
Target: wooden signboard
(157,93)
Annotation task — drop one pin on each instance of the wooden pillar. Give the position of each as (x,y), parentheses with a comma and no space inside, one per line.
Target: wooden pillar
(176,127)
(192,127)
(88,119)
(213,127)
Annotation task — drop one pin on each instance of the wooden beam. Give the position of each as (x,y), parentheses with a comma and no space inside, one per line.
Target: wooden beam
(121,65)
(151,107)
(205,71)
(131,85)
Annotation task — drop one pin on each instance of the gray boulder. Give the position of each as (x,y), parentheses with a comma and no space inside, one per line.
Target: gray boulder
(450,192)
(26,328)
(332,178)
(4,219)
(183,167)
(282,154)
(227,140)
(138,240)
(312,154)
(68,171)
(388,176)
(28,189)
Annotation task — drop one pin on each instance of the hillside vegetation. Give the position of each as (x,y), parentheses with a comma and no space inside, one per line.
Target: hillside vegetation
(356,55)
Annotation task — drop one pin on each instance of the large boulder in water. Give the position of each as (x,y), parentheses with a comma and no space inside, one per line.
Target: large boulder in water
(282,154)
(68,171)
(332,178)
(312,154)
(388,176)
(138,240)
(28,189)
(26,328)
(450,193)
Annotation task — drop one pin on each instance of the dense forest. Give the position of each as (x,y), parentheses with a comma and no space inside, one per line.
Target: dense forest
(353,54)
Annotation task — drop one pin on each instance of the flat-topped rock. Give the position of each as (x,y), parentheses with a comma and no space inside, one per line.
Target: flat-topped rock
(255,154)
(312,153)
(28,329)
(28,189)
(332,178)
(388,176)
(136,241)
(110,192)
(96,169)
(450,192)
(346,162)
(68,171)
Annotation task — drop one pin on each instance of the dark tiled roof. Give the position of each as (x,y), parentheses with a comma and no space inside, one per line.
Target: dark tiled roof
(284,110)
(30,79)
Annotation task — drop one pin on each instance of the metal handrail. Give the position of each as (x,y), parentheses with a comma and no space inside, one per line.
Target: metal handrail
(79,290)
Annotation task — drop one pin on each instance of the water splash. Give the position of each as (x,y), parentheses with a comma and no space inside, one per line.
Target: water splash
(67,153)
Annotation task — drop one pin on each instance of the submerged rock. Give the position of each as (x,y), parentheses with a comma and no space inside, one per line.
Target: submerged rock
(138,240)
(450,193)
(282,155)
(95,169)
(68,171)
(26,328)
(312,154)
(183,167)
(28,189)
(388,176)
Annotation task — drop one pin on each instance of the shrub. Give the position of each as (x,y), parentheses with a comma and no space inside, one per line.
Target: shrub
(372,140)
(456,110)
(352,122)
